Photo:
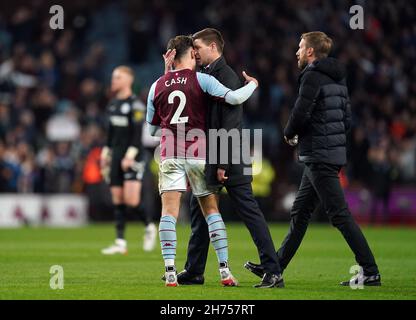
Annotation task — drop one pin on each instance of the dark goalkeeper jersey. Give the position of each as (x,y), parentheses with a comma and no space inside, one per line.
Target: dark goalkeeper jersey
(126,118)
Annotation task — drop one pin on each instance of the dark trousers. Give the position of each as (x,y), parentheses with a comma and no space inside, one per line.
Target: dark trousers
(249,211)
(320,183)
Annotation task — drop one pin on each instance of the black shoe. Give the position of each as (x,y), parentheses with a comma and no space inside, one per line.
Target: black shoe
(271,280)
(257,269)
(374,281)
(186,278)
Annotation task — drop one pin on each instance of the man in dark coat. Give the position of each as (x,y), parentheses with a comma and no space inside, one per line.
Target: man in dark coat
(319,121)
(236,178)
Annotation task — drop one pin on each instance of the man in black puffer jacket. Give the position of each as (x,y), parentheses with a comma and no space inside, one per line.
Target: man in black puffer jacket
(319,121)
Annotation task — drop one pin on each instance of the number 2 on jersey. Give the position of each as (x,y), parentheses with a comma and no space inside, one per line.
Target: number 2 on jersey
(182,102)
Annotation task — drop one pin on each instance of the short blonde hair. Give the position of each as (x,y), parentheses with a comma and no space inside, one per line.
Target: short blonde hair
(126,69)
(319,41)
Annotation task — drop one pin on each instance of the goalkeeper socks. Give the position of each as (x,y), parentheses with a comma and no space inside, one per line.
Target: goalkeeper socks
(120,216)
(218,236)
(167,235)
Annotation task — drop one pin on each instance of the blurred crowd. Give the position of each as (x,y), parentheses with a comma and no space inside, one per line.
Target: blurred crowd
(54,83)
(52,98)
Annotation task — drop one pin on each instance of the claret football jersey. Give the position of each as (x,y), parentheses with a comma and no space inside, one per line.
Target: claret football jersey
(177,103)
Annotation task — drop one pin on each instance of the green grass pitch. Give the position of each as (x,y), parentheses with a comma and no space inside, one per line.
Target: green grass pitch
(323,260)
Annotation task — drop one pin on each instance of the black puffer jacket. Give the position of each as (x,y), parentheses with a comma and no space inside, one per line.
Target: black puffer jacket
(322,113)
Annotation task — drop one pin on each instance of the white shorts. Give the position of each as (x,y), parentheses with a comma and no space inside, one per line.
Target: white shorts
(175,173)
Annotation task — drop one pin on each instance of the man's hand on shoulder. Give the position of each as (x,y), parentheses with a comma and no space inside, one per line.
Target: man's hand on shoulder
(248,79)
